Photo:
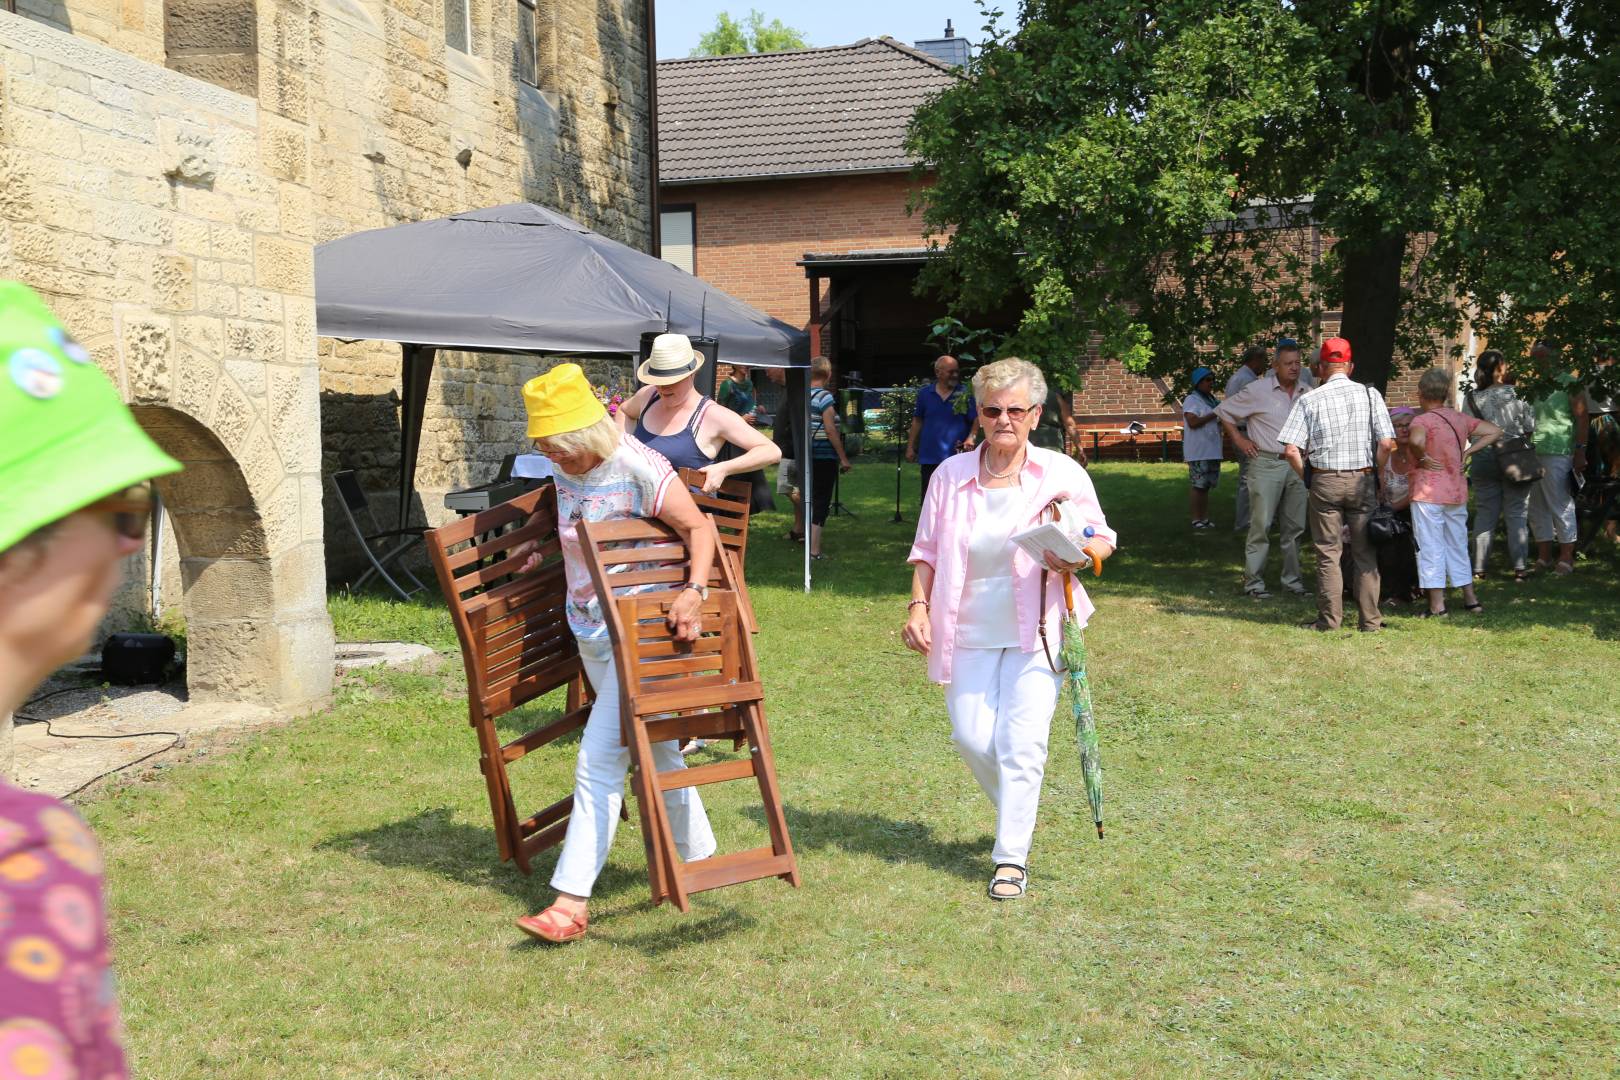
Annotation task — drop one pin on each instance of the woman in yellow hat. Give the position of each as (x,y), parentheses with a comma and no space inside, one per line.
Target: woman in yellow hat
(604,474)
(73,506)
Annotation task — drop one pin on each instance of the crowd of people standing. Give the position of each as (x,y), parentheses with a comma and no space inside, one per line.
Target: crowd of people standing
(1385,490)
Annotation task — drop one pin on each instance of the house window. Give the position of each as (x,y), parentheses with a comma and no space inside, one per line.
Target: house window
(677,230)
(458,25)
(527,45)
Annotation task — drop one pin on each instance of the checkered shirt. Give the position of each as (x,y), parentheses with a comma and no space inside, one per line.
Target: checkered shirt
(1336,424)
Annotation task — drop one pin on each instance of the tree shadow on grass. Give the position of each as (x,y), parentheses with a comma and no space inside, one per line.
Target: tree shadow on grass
(886,838)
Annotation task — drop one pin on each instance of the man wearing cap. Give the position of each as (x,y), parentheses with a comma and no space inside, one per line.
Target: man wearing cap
(1344,427)
(1275,491)
(1201,444)
(73,506)
(1253,366)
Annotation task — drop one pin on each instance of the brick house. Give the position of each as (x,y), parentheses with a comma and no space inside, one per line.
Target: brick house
(783,180)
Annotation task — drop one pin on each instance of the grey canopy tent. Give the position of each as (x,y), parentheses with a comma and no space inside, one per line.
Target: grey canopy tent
(522,278)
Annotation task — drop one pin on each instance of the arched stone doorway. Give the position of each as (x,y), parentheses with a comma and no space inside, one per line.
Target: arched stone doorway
(257,628)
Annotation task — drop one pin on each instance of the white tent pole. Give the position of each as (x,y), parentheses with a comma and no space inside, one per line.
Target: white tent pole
(805,481)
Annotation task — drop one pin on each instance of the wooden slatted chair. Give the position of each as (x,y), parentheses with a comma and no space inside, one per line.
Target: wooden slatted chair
(673,690)
(516,646)
(729,509)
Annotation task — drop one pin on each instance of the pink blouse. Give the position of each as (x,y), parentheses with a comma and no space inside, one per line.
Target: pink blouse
(954,501)
(1445,432)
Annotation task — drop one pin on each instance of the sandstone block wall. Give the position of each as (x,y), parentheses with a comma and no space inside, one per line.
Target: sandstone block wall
(138,202)
(394,108)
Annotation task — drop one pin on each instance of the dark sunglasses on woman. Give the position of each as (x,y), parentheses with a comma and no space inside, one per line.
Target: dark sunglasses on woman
(993,412)
(130,510)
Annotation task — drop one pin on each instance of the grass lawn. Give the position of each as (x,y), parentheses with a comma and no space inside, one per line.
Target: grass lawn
(1345,856)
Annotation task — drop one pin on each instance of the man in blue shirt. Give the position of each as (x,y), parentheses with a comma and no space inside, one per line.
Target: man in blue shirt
(938,430)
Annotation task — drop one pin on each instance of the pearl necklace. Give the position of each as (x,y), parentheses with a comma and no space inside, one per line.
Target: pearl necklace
(1018,461)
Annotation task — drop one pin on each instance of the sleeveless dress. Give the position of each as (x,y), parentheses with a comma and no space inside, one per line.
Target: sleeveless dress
(681,449)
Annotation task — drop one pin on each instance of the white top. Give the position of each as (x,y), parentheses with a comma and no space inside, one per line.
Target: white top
(1200,444)
(988,615)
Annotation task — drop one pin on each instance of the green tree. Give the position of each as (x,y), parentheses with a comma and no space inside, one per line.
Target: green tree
(1148,175)
(753,34)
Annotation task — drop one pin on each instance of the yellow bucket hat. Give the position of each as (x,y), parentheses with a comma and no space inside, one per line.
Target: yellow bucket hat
(561,400)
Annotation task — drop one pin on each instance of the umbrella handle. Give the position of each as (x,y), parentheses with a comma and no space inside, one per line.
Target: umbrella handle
(1068,592)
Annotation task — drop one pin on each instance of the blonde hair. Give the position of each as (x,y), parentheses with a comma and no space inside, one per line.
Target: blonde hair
(820,368)
(600,438)
(1006,373)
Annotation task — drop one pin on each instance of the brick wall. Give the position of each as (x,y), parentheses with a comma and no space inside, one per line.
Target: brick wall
(750,236)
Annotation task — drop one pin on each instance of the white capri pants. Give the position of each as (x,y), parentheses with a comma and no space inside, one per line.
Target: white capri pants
(599,791)
(1441,532)
(1552,501)
(1000,702)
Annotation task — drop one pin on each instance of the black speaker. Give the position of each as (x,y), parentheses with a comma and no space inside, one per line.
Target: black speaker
(136,659)
(710,349)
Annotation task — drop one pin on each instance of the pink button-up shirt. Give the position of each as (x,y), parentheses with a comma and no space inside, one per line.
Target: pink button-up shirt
(954,502)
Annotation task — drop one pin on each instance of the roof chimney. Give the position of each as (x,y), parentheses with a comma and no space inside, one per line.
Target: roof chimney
(950,31)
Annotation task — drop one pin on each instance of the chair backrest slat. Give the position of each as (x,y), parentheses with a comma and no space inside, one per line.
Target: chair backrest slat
(729,507)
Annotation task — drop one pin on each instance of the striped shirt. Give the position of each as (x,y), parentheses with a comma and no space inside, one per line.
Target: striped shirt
(1337,423)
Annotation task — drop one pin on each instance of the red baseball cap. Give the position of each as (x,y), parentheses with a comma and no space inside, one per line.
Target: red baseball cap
(1335,350)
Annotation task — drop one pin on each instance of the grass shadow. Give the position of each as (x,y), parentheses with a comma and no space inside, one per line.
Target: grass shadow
(893,841)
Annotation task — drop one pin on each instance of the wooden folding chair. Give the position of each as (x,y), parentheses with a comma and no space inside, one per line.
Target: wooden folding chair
(674,690)
(728,508)
(516,646)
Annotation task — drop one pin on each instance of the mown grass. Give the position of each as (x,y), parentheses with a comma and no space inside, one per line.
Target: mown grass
(1342,856)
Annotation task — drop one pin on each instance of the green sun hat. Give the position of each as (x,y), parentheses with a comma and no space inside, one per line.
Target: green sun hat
(68,438)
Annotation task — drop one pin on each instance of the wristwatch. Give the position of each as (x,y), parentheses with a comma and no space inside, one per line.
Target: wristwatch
(701,590)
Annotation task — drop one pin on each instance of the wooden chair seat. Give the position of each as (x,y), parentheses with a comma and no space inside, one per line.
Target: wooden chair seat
(673,689)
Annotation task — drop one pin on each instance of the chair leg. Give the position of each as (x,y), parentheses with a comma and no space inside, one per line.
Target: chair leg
(378,568)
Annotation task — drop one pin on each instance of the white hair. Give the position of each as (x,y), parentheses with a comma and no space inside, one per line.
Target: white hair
(1008,373)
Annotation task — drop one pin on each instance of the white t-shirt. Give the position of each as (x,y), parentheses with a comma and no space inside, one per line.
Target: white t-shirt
(1200,444)
(988,615)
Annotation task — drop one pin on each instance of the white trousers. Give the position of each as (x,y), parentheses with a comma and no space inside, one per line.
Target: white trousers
(1441,532)
(1000,703)
(599,792)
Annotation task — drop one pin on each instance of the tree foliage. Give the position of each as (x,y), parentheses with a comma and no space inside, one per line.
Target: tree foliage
(1157,177)
(753,34)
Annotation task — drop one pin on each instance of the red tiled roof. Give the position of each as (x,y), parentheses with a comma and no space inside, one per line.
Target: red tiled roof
(799,113)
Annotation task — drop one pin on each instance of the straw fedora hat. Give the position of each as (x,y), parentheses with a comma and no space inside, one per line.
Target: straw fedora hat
(671,360)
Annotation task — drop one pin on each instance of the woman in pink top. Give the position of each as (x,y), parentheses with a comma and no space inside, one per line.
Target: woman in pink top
(976,608)
(1441,440)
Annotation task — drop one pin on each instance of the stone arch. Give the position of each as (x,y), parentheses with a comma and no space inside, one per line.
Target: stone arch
(256,624)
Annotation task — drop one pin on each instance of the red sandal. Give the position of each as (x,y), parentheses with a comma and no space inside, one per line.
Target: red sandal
(538,926)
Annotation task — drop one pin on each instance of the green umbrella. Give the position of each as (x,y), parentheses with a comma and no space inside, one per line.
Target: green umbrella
(1085,725)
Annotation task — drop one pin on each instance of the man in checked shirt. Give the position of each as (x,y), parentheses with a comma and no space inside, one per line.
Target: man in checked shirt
(1344,428)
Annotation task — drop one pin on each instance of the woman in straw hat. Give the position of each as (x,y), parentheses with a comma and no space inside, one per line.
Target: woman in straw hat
(691,430)
(603,474)
(73,506)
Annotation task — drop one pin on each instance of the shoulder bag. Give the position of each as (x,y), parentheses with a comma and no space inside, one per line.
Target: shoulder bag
(1384,525)
(1516,459)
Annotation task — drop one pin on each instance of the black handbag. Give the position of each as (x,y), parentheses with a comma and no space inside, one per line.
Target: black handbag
(1516,459)
(1385,526)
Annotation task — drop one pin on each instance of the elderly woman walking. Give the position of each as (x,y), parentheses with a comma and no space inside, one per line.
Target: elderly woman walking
(603,474)
(1440,443)
(980,603)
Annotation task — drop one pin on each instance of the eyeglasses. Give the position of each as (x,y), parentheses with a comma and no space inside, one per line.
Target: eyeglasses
(130,510)
(1015,414)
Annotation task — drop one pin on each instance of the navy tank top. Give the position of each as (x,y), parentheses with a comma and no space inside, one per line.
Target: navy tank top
(681,449)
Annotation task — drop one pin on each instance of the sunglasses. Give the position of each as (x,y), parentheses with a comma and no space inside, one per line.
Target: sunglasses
(131,510)
(1015,414)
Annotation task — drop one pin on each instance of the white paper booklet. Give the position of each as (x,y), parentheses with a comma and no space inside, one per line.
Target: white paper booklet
(1050,538)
